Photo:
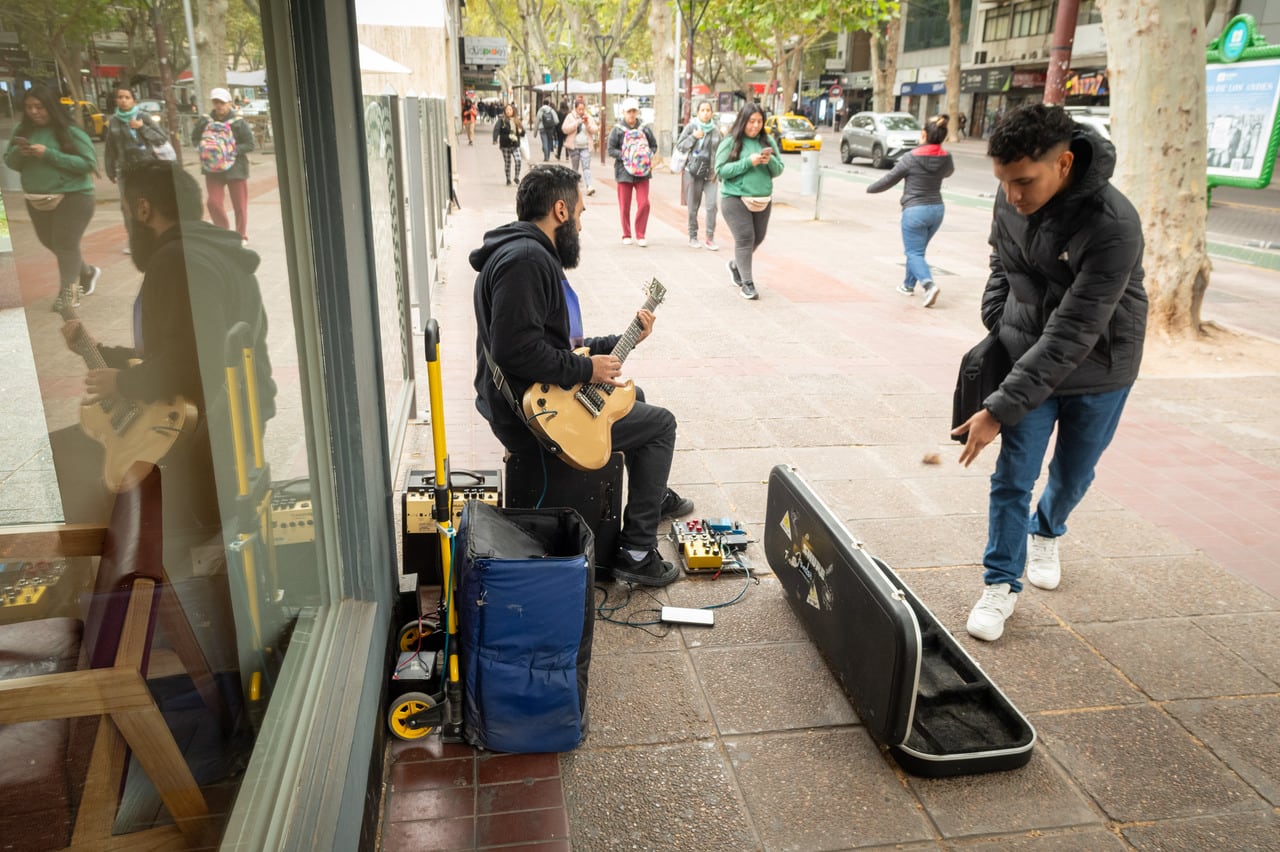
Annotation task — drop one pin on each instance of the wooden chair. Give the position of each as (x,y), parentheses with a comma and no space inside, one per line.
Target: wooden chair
(108,681)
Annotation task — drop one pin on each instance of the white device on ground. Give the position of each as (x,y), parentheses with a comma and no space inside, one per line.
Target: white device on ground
(688,615)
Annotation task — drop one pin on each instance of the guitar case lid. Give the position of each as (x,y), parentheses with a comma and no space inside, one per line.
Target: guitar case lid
(915,688)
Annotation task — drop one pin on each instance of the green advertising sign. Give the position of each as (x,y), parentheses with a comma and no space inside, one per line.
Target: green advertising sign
(1242,93)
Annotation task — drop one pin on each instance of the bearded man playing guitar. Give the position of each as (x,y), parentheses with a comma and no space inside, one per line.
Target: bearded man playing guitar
(197,283)
(528,324)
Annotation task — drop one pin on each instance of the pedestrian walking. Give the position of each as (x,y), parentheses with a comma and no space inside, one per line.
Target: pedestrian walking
(56,162)
(562,112)
(224,141)
(631,145)
(923,169)
(962,123)
(746,166)
(1065,296)
(469,120)
(507,133)
(131,139)
(548,129)
(699,141)
(579,130)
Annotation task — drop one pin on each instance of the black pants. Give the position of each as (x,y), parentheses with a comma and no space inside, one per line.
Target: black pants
(60,229)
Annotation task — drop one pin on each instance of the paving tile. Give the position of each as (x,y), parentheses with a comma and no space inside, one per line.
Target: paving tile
(751,464)
(879,497)
(504,768)
(978,804)
(827,789)
(744,502)
(949,593)
(437,803)
(907,543)
(522,827)
(1095,589)
(1125,533)
(668,797)
(1254,637)
(1050,668)
(428,748)
(422,775)
(1243,733)
(1254,832)
(1173,658)
(529,794)
(439,835)
(645,698)
(762,614)
(1139,765)
(1195,585)
(1092,840)
(742,685)
(640,606)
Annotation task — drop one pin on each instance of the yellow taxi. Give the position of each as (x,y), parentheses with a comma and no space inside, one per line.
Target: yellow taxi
(90,119)
(793,133)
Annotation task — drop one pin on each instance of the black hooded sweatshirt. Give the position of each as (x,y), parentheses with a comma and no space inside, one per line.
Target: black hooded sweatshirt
(1065,292)
(523,318)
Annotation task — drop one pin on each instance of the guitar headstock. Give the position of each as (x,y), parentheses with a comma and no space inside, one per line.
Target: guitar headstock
(655,292)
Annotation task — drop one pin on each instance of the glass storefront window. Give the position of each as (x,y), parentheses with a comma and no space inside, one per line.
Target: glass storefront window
(151,387)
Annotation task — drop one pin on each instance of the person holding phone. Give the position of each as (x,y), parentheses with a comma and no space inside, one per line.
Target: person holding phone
(746,166)
(57,162)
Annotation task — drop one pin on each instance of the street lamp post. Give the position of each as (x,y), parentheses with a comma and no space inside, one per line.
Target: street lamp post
(603,43)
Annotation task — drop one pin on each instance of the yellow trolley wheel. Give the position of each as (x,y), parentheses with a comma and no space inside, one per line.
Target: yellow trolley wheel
(404,707)
(413,632)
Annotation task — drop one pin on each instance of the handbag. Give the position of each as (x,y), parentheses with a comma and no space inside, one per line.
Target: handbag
(678,160)
(757,203)
(164,152)
(982,369)
(524,147)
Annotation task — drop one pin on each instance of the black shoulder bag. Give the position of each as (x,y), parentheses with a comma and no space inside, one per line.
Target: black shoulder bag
(982,369)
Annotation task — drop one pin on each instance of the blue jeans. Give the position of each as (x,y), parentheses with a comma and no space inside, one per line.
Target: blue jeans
(1086,424)
(919,224)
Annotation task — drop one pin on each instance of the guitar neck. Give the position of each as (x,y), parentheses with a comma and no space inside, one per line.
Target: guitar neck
(631,336)
(84,344)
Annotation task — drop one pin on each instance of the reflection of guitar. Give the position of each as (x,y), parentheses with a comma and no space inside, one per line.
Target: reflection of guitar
(579,418)
(130,432)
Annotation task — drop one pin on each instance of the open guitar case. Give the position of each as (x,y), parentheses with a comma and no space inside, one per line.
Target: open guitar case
(915,688)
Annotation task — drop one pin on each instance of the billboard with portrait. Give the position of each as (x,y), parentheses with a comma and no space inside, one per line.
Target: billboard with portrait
(1241,102)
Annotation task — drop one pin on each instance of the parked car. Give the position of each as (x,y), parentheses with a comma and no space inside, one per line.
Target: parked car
(793,133)
(154,110)
(1099,118)
(90,118)
(882,136)
(260,106)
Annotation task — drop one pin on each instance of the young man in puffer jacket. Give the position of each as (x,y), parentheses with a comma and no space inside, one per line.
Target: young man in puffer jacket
(1065,296)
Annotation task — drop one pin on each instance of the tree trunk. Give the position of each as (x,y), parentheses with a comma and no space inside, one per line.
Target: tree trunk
(664,78)
(884,69)
(1156,59)
(953,70)
(211,47)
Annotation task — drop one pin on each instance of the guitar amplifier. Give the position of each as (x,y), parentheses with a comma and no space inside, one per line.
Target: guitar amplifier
(595,494)
(421,544)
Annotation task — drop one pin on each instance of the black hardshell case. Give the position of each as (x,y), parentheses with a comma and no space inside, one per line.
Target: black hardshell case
(913,685)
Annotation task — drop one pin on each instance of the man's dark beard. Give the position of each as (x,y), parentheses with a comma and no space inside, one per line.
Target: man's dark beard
(142,245)
(568,246)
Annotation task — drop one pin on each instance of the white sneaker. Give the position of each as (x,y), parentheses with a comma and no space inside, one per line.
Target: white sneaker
(642,242)
(930,294)
(986,620)
(626,241)
(1043,569)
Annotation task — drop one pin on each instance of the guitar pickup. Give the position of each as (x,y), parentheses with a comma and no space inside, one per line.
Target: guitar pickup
(591,400)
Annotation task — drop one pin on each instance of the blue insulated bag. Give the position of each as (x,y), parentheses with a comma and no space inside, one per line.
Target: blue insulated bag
(525,610)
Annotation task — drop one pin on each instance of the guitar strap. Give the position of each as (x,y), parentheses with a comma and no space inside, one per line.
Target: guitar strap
(504,387)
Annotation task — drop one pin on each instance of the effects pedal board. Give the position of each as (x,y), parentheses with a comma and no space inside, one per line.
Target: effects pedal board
(292,521)
(706,545)
(417,504)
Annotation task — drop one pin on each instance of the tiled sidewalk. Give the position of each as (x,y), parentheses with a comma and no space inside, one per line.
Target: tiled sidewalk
(1152,675)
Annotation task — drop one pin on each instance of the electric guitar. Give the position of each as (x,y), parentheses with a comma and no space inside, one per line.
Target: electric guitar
(580,418)
(131,433)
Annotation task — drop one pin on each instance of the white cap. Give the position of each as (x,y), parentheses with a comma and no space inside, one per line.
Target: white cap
(629,104)
(220,95)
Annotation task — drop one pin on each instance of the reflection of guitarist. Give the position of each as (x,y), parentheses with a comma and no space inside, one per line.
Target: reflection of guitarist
(528,322)
(198,281)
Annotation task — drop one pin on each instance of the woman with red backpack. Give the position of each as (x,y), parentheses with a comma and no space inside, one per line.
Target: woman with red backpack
(632,145)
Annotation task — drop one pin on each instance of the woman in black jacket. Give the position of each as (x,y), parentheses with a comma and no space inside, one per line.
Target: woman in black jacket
(507,133)
(924,170)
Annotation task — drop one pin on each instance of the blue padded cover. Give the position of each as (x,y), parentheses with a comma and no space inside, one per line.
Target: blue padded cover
(524,627)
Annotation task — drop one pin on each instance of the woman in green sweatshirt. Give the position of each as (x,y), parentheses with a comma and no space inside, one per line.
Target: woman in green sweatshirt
(57,163)
(747,161)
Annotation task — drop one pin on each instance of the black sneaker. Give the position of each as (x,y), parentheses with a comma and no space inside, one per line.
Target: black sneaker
(649,570)
(749,290)
(675,506)
(733,273)
(89,280)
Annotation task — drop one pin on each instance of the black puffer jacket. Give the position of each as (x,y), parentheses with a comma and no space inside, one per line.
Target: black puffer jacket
(522,316)
(1065,290)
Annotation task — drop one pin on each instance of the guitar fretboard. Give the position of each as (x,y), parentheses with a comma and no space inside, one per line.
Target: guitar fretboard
(120,412)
